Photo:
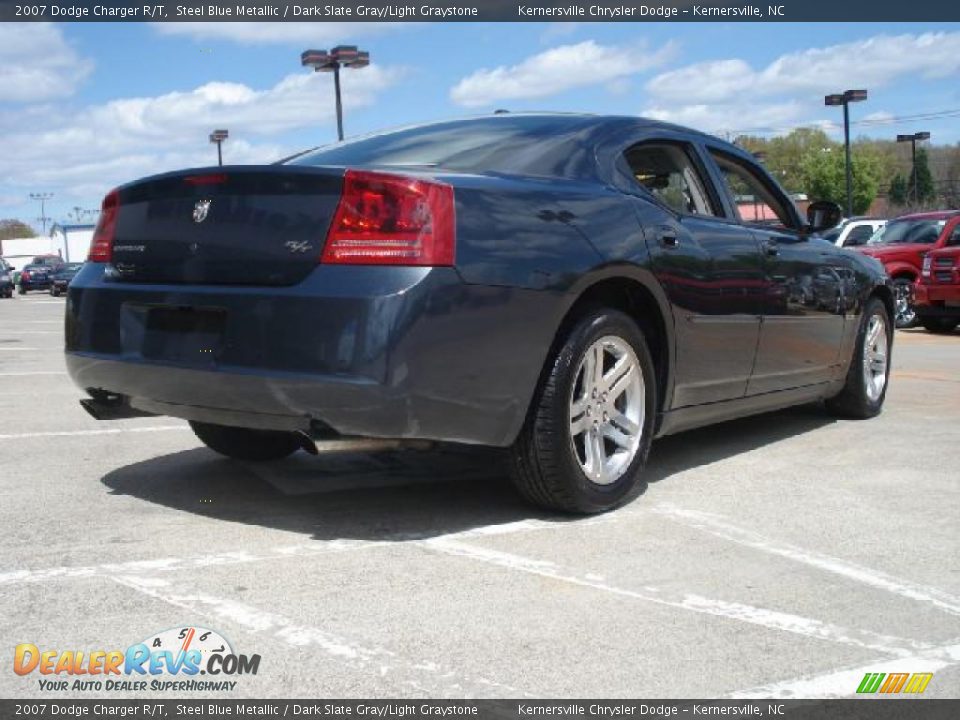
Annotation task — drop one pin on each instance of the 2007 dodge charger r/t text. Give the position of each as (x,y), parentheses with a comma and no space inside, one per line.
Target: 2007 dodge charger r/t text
(565,286)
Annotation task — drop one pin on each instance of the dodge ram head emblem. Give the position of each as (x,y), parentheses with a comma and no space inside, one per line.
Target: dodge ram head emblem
(201,210)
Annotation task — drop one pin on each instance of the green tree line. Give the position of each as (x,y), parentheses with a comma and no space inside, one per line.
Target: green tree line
(807,161)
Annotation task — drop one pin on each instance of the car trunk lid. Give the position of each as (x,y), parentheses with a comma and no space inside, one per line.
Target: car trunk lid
(256,225)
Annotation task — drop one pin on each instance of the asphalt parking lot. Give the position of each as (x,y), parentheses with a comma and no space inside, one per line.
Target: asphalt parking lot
(779,556)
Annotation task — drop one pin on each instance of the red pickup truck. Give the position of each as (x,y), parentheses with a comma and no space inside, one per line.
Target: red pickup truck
(902,246)
(937,295)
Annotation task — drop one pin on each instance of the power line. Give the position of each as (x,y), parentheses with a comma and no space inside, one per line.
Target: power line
(865,122)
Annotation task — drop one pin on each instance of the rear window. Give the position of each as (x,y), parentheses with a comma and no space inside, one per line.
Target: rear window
(496,143)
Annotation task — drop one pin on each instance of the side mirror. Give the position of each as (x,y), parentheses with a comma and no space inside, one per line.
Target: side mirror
(823,215)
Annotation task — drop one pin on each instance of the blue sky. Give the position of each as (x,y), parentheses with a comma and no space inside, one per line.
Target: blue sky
(86,106)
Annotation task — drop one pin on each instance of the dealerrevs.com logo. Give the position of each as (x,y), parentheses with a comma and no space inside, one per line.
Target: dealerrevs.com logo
(170,661)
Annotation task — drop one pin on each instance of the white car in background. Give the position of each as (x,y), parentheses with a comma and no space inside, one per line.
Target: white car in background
(854,231)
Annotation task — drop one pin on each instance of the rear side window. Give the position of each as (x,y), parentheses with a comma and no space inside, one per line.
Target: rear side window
(668,172)
(756,202)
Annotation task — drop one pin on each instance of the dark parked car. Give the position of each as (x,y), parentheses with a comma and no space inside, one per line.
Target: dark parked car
(62,277)
(6,279)
(565,286)
(36,275)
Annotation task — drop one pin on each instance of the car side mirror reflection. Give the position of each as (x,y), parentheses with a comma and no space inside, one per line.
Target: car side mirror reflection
(823,215)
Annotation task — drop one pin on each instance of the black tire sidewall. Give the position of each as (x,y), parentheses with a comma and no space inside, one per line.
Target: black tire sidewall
(588,495)
(874,307)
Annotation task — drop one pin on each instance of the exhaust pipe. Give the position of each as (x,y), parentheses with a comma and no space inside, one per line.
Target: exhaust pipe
(112,407)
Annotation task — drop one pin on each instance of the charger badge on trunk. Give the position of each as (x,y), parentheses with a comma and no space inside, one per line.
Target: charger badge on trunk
(201,210)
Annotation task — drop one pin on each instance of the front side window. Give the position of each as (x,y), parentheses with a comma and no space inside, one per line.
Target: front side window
(668,172)
(858,236)
(755,201)
(954,239)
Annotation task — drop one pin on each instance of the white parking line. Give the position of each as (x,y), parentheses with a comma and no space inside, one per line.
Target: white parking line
(38,332)
(110,431)
(32,372)
(715,525)
(772,619)
(18,349)
(302,550)
(843,683)
(172,564)
(421,677)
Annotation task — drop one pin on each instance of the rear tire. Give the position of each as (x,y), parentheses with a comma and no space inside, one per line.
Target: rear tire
(588,432)
(245,443)
(939,325)
(869,374)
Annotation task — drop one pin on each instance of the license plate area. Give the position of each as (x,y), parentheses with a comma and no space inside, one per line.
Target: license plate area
(181,335)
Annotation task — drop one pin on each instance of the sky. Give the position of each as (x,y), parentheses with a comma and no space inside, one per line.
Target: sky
(88,106)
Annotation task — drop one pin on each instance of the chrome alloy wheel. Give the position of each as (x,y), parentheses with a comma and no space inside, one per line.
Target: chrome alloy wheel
(875,357)
(607,409)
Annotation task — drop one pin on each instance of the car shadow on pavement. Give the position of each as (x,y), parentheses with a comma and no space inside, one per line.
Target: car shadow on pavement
(403,495)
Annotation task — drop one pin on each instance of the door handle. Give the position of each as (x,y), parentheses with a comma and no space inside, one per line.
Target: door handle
(770,247)
(668,238)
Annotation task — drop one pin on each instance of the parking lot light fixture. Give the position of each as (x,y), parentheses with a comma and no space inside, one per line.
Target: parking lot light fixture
(341,56)
(844,99)
(912,139)
(42,199)
(218,136)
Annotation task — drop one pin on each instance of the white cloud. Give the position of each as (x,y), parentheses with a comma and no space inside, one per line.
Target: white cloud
(37,64)
(313,34)
(557,70)
(83,155)
(866,63)
(731,95)
(728,118)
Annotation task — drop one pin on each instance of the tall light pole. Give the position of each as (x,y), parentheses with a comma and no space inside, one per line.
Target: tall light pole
(42,198)
(845,98)
(218,136)
(912,139)
(340,56)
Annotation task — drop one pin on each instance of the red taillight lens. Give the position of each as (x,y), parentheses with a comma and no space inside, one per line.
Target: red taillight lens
(101,247)
(25,275)
(387,219)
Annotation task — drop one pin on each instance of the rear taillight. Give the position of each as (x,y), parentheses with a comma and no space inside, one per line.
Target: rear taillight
(101,247)
(25,275)
(387,219)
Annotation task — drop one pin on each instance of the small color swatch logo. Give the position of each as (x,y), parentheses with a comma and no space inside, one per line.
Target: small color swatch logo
(894,683)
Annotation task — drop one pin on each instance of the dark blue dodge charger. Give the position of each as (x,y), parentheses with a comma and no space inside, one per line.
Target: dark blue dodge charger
(565,286)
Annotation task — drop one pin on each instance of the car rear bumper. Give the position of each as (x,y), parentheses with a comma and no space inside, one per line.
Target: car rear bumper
(937,300)
(377,352)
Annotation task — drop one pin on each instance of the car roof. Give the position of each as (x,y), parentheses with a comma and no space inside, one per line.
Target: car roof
(931,215)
